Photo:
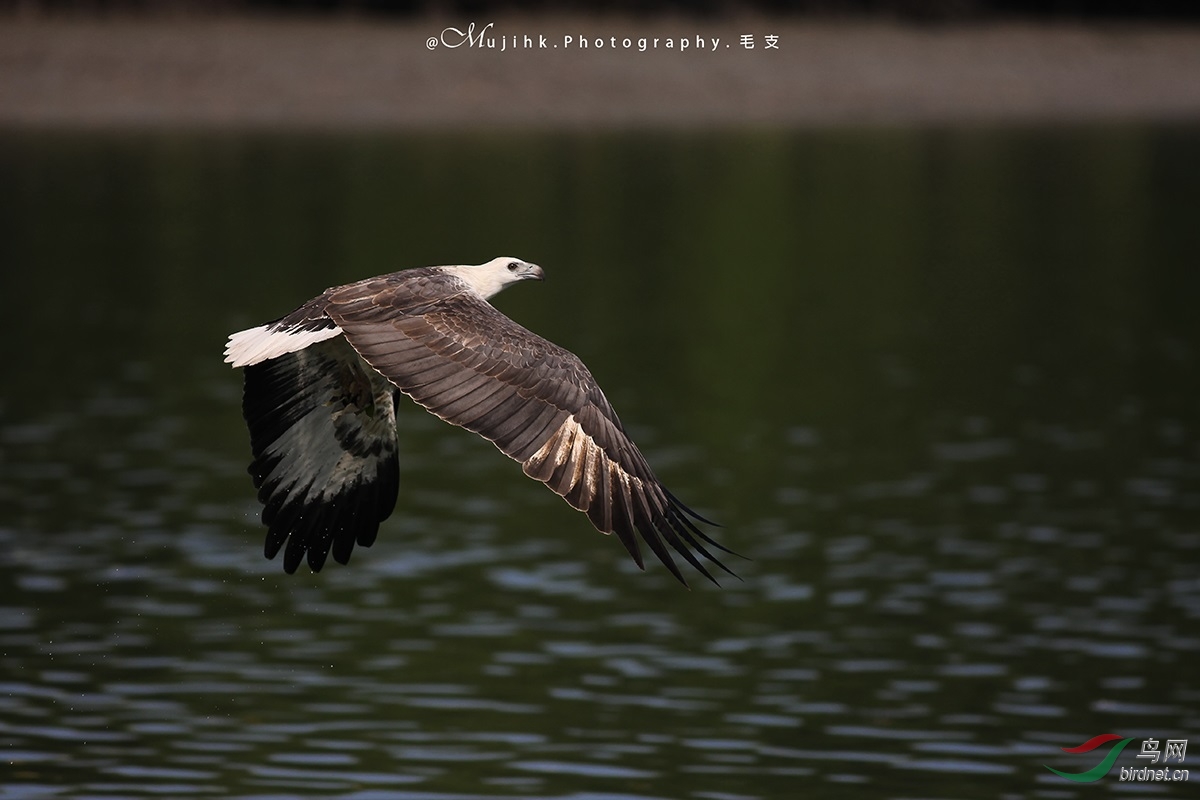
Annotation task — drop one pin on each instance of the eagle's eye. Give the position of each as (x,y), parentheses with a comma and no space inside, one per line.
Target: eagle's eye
(513,266)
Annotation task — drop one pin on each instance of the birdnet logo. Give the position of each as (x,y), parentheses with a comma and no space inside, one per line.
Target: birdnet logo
(1175,749)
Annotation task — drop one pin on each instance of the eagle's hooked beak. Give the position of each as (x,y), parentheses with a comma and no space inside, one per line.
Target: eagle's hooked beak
(532,272)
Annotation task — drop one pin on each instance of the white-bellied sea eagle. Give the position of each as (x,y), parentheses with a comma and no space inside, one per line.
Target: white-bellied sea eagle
(322,384)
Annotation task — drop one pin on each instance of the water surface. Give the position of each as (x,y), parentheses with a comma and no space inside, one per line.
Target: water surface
(941,387)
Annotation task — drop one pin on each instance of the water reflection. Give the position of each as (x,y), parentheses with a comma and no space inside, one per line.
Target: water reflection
(955,434)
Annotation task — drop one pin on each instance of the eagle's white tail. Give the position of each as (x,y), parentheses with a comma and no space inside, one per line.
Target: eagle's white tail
(251,346)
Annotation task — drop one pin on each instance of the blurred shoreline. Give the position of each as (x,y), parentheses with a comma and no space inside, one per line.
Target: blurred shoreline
(348,74)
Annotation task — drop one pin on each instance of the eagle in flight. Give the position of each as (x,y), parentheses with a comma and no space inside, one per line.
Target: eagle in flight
(323,382)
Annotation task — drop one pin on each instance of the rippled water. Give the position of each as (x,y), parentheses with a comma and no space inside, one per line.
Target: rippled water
(942,389)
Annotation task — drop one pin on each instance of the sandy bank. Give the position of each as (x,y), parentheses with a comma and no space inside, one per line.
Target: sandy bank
(241,73)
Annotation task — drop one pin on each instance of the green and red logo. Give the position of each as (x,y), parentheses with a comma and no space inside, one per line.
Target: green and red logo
(1175,749)
(1100,770)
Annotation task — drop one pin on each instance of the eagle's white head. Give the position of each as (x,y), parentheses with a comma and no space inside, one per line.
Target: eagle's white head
(489,278)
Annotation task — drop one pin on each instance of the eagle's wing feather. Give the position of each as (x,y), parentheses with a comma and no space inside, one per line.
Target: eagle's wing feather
(469,364)
(323,434)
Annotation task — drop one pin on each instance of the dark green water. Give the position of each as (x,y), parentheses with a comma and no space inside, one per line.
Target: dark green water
(942,387)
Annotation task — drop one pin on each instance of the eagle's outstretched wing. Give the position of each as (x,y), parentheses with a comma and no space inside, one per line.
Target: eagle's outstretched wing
(323,433)
(474,367)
